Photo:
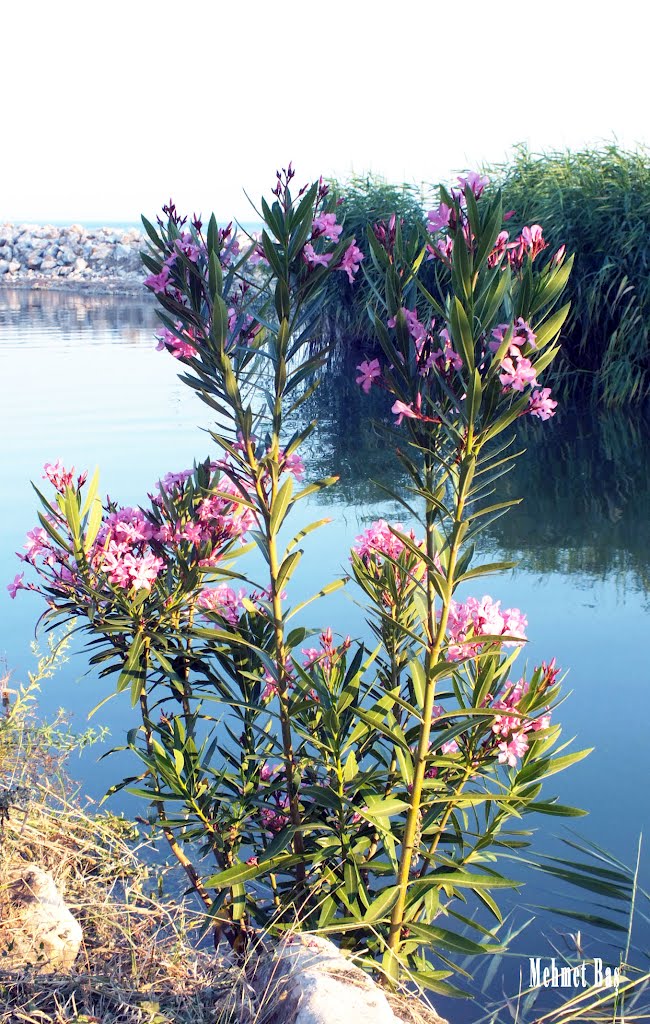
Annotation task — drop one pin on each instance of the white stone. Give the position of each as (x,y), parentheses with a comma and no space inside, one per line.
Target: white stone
(49,263)
(80,264)
(14,267)
(66,254)
(308,981)
(42,931)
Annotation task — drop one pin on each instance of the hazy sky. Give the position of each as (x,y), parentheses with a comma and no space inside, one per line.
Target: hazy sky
(110,108)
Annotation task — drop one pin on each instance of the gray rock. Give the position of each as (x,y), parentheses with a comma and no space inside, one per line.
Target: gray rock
(101,252)
(33,261)
(66,254)
(308,981)
(37,926)
(80,264)
(4,267)
(6,252)
(123,252)
(49,263)
(14,267)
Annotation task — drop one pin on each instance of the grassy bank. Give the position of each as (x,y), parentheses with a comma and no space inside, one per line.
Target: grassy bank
(597,202)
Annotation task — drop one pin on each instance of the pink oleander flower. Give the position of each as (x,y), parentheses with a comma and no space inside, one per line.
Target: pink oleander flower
(401,410)
(413,411)
(417,330)
(559,255)
(378,539)
(37,541)
(328,653)
(542,405)
(275,817)
(438,219)
(351,260)
(292,464)
(529,243)
(522,334)
(145,571)
(257,257)
(16,585)
(177,347)
(325,224)
(314,259)
(311,656)
(500,247)
(447,358)
(223,600)
(188,247)
(269,770)
(369,372)
(475,618)
(59,477)
(511,750)
(450,747)
(474,181)
(517,374)
(158,282)
(173,481)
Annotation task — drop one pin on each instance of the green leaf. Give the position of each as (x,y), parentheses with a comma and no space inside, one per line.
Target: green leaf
(93,523)
(383,807)
(246,872)
(380,908)
(219,326)
(281,505)
(351,767)
(287,569)
(449,940)
(462,334)
(215,276)
(132,671)
(151,231)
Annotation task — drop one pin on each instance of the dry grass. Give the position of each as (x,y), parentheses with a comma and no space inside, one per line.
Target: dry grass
(139,962)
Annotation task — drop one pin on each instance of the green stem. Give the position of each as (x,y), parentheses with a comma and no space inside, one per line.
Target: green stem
(432,657)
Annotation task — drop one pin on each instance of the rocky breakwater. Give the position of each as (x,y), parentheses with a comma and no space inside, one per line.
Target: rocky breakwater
(46,256)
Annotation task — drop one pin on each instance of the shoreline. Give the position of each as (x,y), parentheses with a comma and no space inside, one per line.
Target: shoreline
(72,258)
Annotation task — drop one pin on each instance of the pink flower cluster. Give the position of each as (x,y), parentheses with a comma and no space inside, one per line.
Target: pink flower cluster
(122,550)
(518,371)
(512,728)
(60,477)
(475,618)
(180,347)
(377,542)
(325,224)
(542,405)
(351,260)
(276,817)
(327,655)
(223,600)
(132,547)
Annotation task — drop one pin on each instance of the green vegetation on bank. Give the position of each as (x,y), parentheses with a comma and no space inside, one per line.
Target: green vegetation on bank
(597,203)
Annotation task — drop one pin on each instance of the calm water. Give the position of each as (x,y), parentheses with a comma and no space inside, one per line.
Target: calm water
(80,380)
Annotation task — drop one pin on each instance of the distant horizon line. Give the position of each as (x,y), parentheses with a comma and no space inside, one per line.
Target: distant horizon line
(94,222)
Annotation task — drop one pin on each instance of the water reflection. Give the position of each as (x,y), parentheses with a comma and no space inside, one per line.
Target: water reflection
(74,314)
(585,478)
